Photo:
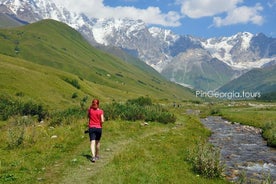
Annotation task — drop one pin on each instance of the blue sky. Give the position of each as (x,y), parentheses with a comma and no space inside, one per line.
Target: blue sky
(203,18)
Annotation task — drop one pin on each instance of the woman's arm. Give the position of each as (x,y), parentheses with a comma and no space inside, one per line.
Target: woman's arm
(102,118)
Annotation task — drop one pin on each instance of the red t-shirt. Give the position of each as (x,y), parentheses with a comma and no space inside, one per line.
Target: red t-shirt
(95,118)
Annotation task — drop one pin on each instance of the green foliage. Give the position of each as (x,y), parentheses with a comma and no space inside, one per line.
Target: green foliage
(140,101)
(206,161)
(138,109)
(16,133)
(269,133)
(73,82)
(15,136)
(7,178)
(66,117)
(158,113)
(215,111)
(75,95)
(10,107)
(83,102)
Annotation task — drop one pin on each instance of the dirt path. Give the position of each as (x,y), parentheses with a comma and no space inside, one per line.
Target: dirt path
(84,173)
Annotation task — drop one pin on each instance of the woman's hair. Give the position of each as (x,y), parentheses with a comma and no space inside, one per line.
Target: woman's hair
(95,104)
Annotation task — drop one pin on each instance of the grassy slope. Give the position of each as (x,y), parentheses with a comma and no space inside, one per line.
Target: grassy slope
(263,80)
(54,44)
(46,85)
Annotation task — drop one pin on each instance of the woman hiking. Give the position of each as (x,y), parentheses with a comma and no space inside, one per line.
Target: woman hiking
(96,120)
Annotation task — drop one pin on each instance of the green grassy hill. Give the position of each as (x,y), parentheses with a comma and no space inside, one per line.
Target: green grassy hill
(46,60)
(256,80)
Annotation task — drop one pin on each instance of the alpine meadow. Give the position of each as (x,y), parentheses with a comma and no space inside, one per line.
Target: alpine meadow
(152,133)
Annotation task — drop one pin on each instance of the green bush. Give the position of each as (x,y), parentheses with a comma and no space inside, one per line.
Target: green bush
(113,111)
(133,113)
(269,133)
(205,159)
(215,111)
(16,133)
(11,107)
(141,101)
(74,95)
(73,82)
(138,109)
(158,113)
(66,116)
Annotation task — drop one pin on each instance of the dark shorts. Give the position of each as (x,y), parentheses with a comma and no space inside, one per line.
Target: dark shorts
(95,134)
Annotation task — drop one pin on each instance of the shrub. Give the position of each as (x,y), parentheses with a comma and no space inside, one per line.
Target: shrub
(141,101)
(113,111)
(73,82)
(133,113)
(30,108)
(166,117)
(138,109)
(11,107)
(15,137)
(74,95)
(83,102)
(16,134)
(215,111)
(158,113)
(66,116)
(269,133)
(206,161)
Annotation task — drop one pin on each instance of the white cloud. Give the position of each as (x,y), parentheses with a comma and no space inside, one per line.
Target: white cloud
(241,15)
(203,8)
(97,9)
(235,13)
(224,12)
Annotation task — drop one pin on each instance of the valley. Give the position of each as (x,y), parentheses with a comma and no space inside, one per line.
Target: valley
(53,62)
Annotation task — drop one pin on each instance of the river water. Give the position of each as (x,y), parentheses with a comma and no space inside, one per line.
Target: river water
(243,150)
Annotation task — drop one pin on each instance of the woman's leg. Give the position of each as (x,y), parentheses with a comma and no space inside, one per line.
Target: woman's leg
(93,148)
(97,148)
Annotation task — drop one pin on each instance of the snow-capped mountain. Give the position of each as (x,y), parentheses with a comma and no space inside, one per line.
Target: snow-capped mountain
(242,51)
(35,10)
(133,36)
(159,48)
(216,61)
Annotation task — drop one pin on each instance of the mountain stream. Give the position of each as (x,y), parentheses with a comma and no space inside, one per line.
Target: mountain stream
(243,150)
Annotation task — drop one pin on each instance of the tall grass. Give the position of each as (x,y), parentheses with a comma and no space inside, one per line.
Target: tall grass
(205,159)
(17,132)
